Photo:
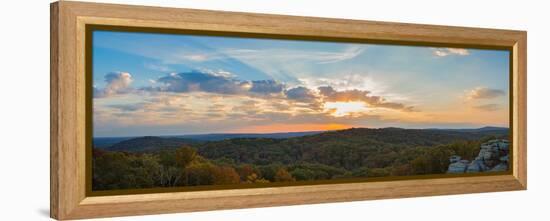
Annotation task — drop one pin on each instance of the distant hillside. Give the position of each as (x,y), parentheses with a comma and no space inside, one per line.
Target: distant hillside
(145,144)
(242,147)
(218,137)
(336,148)
(399,136)
(482,129)
(104,142)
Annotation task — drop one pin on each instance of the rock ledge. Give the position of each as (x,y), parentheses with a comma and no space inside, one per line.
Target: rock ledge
(493,156)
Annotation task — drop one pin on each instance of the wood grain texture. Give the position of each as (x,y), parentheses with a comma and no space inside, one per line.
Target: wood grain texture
(54,128)
(520,106)
(68,107)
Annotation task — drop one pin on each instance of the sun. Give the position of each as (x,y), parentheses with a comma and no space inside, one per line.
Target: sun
(340,109)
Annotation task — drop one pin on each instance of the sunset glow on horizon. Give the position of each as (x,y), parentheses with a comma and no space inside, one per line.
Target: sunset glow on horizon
(340,109)
(284,128)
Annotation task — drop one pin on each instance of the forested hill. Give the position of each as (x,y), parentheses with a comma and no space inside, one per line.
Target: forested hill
(148,144)
(145,141)
(343,148)
(358,152)
(401,137)
(359,142)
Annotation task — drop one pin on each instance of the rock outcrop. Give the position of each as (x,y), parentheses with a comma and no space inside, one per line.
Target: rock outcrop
(493,156)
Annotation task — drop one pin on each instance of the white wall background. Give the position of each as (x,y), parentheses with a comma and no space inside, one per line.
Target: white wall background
(24,106)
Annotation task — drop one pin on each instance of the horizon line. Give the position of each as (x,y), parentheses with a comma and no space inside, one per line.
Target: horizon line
(309,131)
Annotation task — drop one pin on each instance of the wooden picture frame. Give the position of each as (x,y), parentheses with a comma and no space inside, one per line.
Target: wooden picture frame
(69,198)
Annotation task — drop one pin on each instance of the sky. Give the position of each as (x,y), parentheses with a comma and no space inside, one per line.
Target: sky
(173,84)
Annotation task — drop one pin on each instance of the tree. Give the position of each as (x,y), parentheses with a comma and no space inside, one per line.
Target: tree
(170,173)
(361,172)
(468,150)
(269,171)
(185,155)
(282,175)
(401,170)
(199,174)
(245,171)
(303,174)
(439,159)
(109,169)
(171,176)
(225,175)
(206,173)
(117,170)
(421,165)
(378,172)
(146,170)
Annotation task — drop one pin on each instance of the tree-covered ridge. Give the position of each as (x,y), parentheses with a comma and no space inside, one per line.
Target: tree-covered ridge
(358,152)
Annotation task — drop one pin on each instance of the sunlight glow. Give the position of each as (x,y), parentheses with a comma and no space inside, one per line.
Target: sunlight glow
(340,109)
(286,127)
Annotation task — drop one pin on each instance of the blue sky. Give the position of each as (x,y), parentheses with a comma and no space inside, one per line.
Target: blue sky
(159,84)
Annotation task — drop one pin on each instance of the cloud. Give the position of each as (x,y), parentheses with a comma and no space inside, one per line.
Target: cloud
(301,94)
(332,95)
(251,98)
(443,52)
(267,87)
(346,54)
(157,67)
(214,82)
(116,83)
(128,107)
(219,73)
(197,57)
(348,95)
(205,112)
(346,81)
(487,107)
(292,55)
(248,107)
(483,93)
(320,57)
(220,82)
(200,81)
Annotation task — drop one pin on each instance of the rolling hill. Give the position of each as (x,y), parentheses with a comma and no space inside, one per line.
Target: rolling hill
(147,144)
(356,152)
(312,147)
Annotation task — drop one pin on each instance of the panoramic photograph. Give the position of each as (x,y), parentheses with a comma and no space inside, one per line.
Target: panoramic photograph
(177,110)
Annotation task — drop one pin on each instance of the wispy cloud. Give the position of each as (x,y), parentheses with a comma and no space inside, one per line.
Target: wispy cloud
(158,67)
(320,57)
(443,52)
(483,93)
(276,54)
(199,57)
(487,107)
(347,54)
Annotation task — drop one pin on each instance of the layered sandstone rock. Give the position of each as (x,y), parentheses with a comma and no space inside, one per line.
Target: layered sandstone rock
(493,156)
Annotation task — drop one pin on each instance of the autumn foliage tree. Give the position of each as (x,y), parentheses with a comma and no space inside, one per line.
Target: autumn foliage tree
(283,175)
(225,175)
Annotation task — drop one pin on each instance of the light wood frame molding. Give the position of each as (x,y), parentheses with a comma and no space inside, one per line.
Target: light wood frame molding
(68,106)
